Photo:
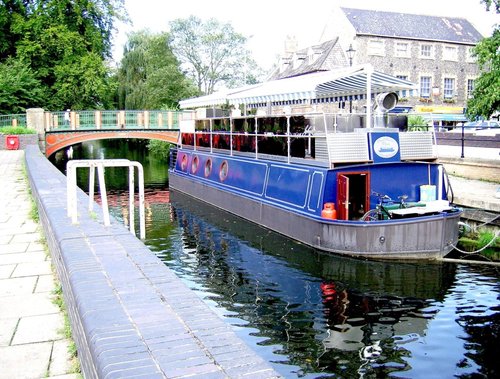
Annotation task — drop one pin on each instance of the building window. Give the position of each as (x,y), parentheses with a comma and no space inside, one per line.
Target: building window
(404,93)
(376,47)
(402,50)
(449,88)
(425,86)
(298,60)
(470,55)
(470,87)
(450,53)
(426,51)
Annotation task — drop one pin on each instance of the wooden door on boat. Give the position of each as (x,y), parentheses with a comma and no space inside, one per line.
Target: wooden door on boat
(343,197)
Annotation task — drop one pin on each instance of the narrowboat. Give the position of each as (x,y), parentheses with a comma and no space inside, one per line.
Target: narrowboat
(339,182)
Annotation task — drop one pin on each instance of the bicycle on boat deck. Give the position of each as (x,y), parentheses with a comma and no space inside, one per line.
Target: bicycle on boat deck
(384,207)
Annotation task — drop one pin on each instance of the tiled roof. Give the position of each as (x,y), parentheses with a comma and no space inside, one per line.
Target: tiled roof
(412,26)
(323,62)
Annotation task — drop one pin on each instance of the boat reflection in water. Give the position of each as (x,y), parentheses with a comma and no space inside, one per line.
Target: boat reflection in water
(311,313)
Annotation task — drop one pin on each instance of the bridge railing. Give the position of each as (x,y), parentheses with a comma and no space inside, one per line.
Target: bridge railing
(73,120)
(13,120)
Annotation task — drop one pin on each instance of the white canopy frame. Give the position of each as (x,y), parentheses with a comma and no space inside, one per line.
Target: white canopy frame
(349,83)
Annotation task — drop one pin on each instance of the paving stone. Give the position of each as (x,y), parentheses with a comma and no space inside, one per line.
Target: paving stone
(17,286)
(7,329)
(60,362)
(32,361)
(26,237)
(28,305)
(19,247)
(29,329)
(32,268)
(6,270)
(5,238)
(23,257)
(36,246)
(45,283)
(67,376)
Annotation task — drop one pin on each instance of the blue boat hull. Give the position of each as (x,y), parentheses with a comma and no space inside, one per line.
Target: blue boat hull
(282,202)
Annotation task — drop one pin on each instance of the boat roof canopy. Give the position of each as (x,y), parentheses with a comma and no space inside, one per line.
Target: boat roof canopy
(351,83)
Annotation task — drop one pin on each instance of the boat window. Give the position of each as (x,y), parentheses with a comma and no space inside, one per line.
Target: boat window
(244,134)
(208,167)
(244,125)
(223,171)
(184,162)
(194,164)
(221,124)
(202,125)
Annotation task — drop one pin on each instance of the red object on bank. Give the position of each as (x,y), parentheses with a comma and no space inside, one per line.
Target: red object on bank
(12,142)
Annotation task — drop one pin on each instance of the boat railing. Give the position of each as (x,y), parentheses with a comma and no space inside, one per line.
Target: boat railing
(323,137)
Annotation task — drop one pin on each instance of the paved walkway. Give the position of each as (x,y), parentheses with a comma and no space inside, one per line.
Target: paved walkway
(31,342)
(476,193)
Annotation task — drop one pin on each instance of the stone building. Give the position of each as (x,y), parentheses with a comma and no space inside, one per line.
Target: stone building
(432,51)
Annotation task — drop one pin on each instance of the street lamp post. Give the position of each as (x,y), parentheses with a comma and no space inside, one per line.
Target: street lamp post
(350,54)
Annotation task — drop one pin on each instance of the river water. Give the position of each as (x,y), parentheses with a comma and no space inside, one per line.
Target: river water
(310,314)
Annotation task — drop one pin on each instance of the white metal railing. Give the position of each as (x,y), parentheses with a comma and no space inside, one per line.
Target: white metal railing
(100,164)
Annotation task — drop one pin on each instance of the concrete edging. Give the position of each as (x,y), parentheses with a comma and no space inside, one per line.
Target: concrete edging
(130,315)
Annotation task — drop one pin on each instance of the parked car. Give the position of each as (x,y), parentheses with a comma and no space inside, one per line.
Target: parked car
(482,124)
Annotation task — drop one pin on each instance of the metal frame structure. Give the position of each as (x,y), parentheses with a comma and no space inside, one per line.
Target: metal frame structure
(100,164)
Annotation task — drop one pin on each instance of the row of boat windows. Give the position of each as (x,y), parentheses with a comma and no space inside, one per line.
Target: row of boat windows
(300,147)
(275,125)
(195,166)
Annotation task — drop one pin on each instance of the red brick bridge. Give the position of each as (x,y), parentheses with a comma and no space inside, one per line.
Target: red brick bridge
(63,129)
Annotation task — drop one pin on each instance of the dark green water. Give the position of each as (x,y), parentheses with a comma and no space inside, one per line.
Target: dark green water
(312,314)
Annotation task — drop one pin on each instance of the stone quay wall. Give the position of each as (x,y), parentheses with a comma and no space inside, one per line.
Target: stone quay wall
(130,315)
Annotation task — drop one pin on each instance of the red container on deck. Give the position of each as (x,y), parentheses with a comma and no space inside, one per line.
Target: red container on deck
(12,142)
(329,211)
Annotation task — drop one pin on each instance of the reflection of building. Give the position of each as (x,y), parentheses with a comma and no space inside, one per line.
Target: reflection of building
(432,51)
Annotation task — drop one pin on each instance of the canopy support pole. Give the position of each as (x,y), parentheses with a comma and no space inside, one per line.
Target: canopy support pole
(369,71)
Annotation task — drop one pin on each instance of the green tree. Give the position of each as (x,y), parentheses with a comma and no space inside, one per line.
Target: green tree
(10,11)
(489,3)
(149,76)
(212,53)
(486,97)
(66,44)
(19,88)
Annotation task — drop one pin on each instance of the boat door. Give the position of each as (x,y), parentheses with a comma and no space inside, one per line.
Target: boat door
(342,197)
(353,195)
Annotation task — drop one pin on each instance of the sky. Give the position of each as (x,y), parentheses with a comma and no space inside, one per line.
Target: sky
(267,23)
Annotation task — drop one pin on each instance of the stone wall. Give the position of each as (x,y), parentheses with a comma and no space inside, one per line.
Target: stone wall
(477,169)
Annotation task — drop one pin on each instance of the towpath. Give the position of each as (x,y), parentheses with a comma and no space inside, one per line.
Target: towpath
(31,342)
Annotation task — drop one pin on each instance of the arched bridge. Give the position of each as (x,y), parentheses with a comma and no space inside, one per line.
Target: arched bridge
(63,129)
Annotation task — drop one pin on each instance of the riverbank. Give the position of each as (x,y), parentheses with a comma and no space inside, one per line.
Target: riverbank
(31,342)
